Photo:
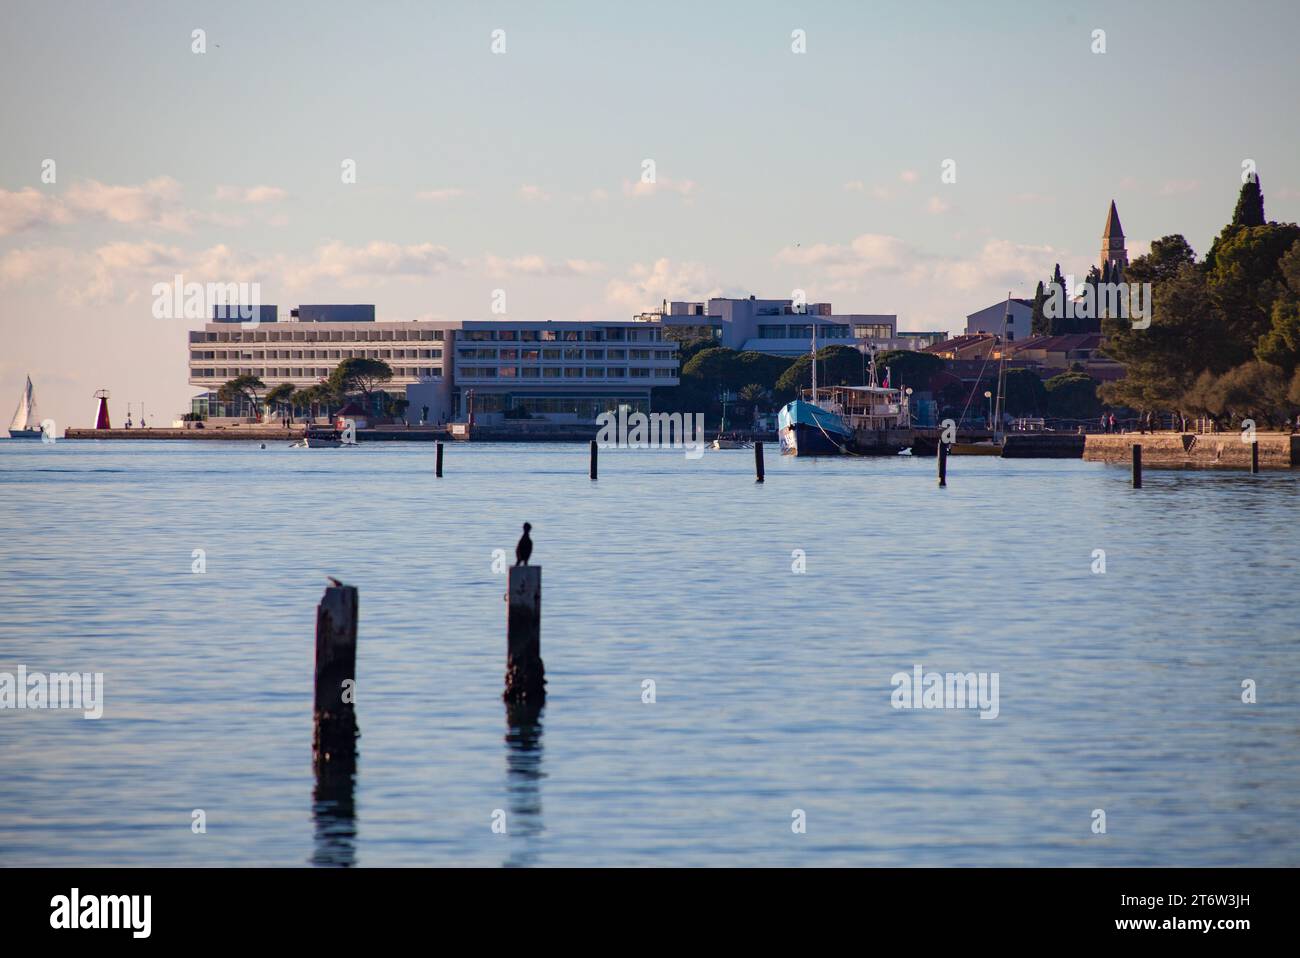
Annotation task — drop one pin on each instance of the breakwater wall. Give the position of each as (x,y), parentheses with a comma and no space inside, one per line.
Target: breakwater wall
(1195,451)
(247,434)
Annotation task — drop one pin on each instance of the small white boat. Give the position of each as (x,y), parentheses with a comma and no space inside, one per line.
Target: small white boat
(26,423)
(323,439)
(721,443)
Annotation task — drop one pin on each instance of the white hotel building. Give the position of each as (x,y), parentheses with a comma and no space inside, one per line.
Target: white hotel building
(565,371)
(779,327)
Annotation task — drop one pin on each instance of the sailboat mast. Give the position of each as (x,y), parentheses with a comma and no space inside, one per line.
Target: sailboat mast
(1002,364)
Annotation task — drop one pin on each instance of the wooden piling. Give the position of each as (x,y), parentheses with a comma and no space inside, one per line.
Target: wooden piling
(591,469)
(336,731)
(758,461)
(525,675)
(1137,465)
(437,466)
(1254,455)
(943,464)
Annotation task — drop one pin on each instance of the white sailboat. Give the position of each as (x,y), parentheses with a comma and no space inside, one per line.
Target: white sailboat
(26,423)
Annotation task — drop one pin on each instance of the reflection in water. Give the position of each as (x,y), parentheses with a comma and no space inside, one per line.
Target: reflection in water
(334,812)
(523,781)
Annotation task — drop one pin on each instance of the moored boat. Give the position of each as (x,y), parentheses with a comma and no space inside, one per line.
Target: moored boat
(844,419)
(806,429)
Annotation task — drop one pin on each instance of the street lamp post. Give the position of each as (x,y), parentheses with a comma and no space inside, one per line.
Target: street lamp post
(989,396)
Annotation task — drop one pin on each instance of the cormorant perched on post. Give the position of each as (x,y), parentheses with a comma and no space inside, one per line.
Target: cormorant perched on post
(525,547)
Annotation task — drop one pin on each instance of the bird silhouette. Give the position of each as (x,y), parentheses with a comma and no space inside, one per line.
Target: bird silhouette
(525,547)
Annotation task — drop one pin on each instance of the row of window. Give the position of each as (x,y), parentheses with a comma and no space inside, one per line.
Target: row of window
(535,355)
(316,335)
(307,372)
(609,334)
(799,331)
(198,354)
(562,372)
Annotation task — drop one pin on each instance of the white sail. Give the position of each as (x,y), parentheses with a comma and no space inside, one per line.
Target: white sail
(25,414)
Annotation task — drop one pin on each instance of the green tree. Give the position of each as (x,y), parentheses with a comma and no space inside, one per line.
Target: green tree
(1244,282)
(280,397)
(1186,336)
(1038,324)
(1280,345)
(1072,396)
(909,368)
(836,366)
(1023,392)
(359,374)
(1250,204)
(242,389)
(1256,391)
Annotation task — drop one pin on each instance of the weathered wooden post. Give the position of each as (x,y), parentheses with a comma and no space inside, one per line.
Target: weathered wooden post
(1254,456)
(591,469)
(758,461)
(525,675)
(336,668)
(437,466)
(943,464)
(1137,465)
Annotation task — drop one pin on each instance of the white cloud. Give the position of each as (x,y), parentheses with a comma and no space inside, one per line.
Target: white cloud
(1179,187)
(534,265)
(252,195)
(154,203)
(909,176)
(533,193)
(378,260)
(24,265)
(29,209)
(936,206)
(874,255)
(645,286)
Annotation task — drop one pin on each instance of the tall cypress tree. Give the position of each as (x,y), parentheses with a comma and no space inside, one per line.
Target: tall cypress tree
(1038,319)
(1058,325)
(1250,204)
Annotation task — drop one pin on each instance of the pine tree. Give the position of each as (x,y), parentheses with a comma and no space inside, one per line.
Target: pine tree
(1250,204)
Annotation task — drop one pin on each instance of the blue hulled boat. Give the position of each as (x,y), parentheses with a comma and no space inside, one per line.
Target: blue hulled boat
(809,430)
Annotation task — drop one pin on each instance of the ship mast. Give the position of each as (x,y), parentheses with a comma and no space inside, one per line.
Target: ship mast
(814,363)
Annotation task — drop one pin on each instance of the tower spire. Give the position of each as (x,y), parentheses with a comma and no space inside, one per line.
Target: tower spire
(1113,251)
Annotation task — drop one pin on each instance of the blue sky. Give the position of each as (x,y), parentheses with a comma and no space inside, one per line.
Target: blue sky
(520,171)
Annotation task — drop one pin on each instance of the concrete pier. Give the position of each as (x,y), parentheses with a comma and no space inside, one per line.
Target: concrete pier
(1194,451)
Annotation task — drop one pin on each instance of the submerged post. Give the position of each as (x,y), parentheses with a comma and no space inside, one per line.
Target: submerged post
(591,470)
(525,676)
(943,464)
(1137,465)
(758,461)
(1254,455)
(336,668)
(437,465)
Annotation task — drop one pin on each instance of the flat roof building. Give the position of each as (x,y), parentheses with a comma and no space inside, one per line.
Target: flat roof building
(567,371)
(775,326)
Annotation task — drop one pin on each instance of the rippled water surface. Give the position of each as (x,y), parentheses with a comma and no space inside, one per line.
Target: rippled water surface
(1119,691)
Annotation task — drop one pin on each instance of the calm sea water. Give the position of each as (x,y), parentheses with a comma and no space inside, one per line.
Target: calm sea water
(1118,691)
